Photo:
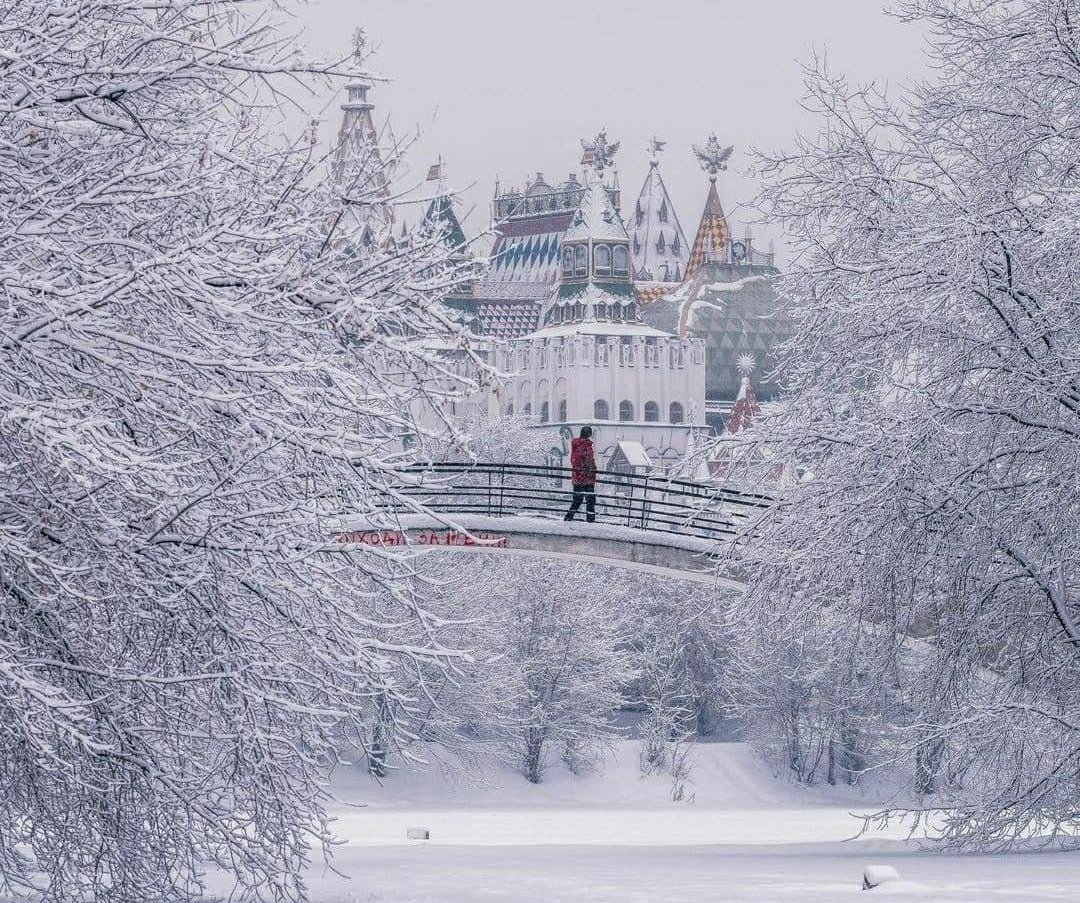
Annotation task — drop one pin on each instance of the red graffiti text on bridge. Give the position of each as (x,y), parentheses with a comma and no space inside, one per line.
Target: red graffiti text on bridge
(424,538)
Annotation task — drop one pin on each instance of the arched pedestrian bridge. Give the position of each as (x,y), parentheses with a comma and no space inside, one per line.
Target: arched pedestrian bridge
(673,527)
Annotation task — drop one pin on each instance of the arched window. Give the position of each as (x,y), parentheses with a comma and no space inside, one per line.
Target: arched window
(510,409)
(601,311)
(622,260)
(600,410)
(545,413)
(582,259)
(631,311)
(626,411)
(568,262)
(663,213)
(675,412)
(652,412)
(562,410)
(602,260)
(526,409)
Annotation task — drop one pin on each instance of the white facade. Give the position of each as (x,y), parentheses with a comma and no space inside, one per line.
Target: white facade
(626,380)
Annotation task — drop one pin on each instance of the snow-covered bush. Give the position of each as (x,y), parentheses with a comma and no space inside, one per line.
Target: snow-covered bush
(935,400)
(197,367)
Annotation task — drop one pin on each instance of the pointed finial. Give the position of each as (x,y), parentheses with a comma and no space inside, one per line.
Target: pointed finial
(656,147)
(359,45)
(713,158)
(599,153)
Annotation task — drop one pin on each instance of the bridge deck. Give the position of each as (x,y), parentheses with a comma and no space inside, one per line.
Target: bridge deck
(650,523)
(680,557)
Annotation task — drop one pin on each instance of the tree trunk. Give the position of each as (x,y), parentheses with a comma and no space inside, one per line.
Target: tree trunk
(533,759)
(381,733)
(928,758)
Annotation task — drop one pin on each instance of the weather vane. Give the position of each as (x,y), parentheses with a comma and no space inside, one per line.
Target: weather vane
(714,158)
(598,152)
(655,148)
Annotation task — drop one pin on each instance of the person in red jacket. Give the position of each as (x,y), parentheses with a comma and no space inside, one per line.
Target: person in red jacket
(583,465)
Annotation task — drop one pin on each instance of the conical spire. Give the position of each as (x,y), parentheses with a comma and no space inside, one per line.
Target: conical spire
(358,166)
(658,241)
(596,217)
(442,217)
(714,234)
(746,406)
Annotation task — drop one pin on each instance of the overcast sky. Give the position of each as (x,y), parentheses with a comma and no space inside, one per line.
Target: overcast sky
(508,88)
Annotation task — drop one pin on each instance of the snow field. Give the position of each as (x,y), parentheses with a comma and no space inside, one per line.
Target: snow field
(614,835)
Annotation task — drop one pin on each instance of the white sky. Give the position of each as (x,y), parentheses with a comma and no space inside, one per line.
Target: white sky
(509,88)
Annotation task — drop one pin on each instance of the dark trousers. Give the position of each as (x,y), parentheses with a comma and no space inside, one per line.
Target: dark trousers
(586,492)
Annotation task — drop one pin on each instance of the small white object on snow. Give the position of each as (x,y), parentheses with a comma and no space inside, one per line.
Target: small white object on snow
(417,834)
(873,875)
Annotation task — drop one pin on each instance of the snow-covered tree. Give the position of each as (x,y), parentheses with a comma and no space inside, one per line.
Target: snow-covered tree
(549,660)
(935,403)
(678,640)
(816,690)
(196,368)
(495,439)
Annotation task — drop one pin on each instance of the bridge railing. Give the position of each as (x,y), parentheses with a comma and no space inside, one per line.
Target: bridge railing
(644,502)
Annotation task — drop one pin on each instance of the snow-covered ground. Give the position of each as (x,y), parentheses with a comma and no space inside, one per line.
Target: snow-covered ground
(616,836)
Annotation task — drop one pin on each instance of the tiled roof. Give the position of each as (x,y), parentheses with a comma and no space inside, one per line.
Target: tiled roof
(507,319)
(441,216)
(527,250)
(734,308)
(597,217)
(513,291)
(647,292)
(535,225)
(534,258)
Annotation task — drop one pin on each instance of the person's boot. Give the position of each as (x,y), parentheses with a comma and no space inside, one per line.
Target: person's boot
(590,518)
(568,517)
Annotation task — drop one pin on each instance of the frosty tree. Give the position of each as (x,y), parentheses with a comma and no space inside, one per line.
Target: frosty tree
(936,405)
(196,370)
(549,661)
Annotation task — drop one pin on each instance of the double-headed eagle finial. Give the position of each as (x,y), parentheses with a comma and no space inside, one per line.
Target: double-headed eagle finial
(713,157)
(598,152)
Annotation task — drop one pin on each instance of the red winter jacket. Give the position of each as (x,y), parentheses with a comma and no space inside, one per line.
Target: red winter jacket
(583,462)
